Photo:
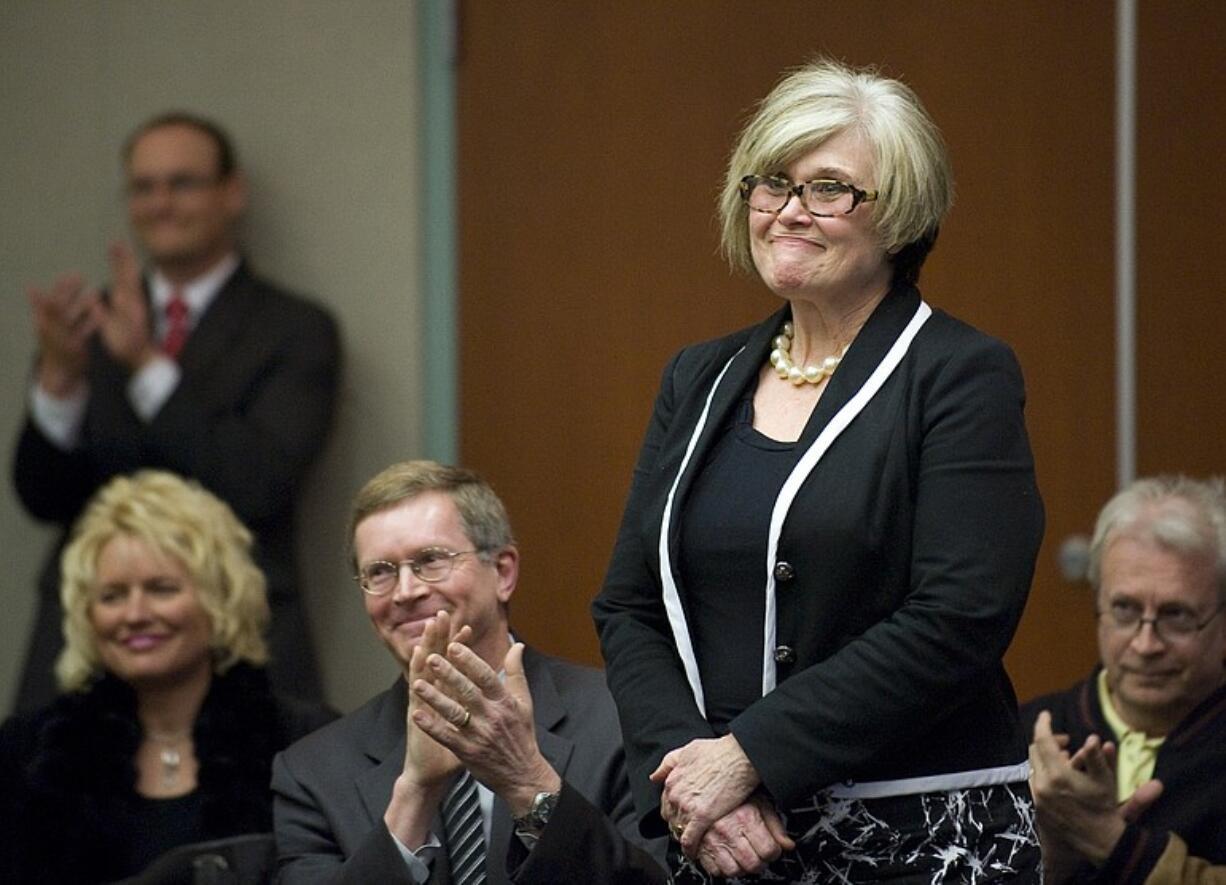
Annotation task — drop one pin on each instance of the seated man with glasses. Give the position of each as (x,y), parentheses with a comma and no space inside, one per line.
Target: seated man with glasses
(1129,767)
(484,760)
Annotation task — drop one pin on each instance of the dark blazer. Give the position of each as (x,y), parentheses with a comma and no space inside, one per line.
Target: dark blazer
(1191,764)
(250,414)
(332,788)
(902,569)
(68,801)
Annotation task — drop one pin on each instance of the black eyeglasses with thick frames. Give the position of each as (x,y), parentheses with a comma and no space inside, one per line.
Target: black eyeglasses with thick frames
(1172,625)
(823,197)
(431,565)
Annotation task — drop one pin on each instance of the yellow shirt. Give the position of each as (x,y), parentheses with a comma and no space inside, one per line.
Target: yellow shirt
(1136,752)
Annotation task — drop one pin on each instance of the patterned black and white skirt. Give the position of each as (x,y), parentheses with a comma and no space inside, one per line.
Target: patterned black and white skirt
(972,836)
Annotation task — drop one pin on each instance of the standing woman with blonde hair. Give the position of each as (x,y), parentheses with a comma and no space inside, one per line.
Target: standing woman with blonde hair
(831,533)
(165,729)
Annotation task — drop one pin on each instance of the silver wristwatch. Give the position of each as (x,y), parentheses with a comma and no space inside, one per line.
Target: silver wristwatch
(533,823)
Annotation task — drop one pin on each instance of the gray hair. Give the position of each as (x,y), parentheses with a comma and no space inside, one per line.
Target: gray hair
(1183,515)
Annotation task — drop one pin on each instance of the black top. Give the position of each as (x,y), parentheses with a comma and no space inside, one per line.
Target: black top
(723,557)
(69,810)
(162,824)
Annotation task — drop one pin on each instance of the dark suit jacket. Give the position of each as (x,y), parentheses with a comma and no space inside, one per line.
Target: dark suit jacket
(332,788)
(251,412)
(909,552)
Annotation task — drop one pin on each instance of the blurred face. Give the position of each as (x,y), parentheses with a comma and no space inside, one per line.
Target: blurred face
(799,255)
(148,622)
(180,208)
(1155,681)
(475,593)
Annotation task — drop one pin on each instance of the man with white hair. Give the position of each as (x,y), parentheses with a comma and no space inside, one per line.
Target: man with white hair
(1129,766)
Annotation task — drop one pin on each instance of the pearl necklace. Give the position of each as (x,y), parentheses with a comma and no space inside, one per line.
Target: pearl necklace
(781,359)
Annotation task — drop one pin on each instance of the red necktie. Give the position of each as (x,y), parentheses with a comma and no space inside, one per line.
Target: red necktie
(176,325)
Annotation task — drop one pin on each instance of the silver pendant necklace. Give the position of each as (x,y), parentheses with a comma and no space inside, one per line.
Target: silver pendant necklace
(169,755)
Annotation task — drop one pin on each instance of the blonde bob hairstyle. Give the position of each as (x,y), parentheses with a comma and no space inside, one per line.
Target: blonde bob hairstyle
(178,519)
(1184,516)
(825,98)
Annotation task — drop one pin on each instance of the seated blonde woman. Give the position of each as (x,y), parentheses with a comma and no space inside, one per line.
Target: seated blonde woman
(165,729)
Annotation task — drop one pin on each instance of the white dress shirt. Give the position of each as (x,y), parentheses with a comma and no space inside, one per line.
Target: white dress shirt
(60,418)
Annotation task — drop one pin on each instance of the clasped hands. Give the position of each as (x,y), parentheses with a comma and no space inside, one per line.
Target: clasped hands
(715,810)
(68,314)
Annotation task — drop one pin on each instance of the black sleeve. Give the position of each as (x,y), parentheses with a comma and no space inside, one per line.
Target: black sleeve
(53,485)
(645,674)
(581,844)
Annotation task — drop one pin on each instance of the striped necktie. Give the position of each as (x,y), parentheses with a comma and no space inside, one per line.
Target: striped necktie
(465,832)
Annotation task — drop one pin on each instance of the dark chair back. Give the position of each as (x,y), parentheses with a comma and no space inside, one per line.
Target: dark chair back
(237,860)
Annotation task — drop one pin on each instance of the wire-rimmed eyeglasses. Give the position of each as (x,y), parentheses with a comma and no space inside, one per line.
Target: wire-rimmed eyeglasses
(431,565)
(1173,625)
(823,197)
(179,184)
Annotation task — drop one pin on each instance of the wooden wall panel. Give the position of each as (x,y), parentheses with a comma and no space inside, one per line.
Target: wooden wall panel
(592,143)
(1181,216)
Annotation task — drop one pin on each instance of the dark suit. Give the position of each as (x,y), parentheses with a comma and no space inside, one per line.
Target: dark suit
(902,567)
(332,788)
(250,414)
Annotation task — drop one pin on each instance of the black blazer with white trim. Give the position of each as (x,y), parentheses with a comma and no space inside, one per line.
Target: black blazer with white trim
(902,567)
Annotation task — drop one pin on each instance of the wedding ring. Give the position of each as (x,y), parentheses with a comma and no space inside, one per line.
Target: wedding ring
(677,830)
(464,722)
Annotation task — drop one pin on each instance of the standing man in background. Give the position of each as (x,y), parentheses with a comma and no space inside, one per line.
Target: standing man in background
(197,366)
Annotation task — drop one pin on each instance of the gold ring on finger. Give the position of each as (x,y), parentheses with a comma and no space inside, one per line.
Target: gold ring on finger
(464,722)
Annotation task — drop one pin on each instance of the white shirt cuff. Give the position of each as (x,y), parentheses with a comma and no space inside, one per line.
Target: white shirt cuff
(152,385)
(418,862)
(59,419)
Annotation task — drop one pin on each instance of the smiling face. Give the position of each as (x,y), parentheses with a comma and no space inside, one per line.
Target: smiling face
(475,593)
(179,205)
(802,256)
(149,626)
(1155,682)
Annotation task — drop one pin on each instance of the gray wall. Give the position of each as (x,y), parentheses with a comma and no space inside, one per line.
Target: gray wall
(322,100)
